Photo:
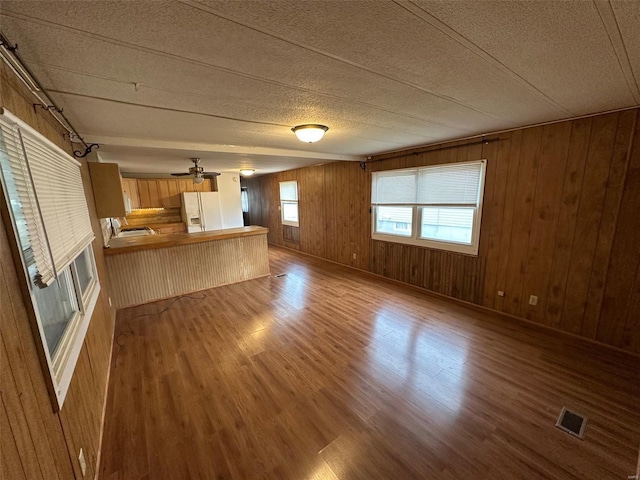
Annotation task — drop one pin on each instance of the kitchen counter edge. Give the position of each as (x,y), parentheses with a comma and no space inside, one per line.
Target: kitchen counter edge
(132,244)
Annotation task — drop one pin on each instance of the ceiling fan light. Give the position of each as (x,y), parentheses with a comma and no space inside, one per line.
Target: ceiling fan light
(198,179)
(309,133)
(247,172)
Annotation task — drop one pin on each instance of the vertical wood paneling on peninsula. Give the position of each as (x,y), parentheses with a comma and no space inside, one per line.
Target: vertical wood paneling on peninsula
(37,443)
(147,275)
(559,221)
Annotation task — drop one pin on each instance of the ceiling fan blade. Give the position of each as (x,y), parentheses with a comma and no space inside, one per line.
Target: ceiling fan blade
(210,174)
(180,174)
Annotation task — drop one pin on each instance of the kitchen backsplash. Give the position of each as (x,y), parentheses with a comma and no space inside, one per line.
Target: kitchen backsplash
(146,216)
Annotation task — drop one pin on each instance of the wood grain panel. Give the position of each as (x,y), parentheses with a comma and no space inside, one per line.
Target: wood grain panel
(174,194)
(130,189)
(487,151)
(631,335)
(38,443)
(523,208)
(493,229)
(502,256)
(291,236)
(312,210)
(107,188)
(553,161)
(567,219)
(163,192)
(557,210)
(147,275)
(11,466)
(608,221)
(143,191)
(592,197)
(19,426)
(185,185)
(615,316)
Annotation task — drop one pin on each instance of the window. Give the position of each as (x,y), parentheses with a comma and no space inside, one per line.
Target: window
(43,189)
(244,198)
(289,203)
(438,206)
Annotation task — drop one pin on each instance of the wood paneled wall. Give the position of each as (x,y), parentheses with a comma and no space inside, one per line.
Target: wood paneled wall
(35,442)
(560,221)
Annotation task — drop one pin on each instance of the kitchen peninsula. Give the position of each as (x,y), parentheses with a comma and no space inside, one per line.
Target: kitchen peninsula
(154,267)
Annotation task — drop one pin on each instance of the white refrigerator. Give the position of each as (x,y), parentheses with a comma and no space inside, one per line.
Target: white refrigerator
(201,211)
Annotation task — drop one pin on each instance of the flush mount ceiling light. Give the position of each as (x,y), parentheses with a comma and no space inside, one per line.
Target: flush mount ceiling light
(246,172)
(309,133)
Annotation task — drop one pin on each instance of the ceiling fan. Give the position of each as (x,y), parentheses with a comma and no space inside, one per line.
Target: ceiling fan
(197,172)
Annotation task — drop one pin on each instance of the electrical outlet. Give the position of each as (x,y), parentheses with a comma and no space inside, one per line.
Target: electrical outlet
(83,463)
(354,256)
(500,293)
(533,300)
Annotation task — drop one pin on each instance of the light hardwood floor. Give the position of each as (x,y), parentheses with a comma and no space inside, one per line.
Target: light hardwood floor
(328,373)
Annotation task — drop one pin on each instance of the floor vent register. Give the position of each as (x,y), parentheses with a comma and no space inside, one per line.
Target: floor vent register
(572,423)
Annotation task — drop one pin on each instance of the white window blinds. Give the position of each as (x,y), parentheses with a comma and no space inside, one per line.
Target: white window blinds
(394,187)
(438,206)
(452,184)
(54,177)
(289,190)
(20,190)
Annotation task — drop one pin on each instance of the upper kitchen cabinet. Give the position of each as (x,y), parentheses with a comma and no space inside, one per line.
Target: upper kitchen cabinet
(165,193)
(187,185)
(107,189)
(130,192)
(169,193)
(149,195)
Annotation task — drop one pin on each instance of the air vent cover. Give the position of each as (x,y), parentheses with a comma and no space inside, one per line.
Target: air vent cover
(572,423)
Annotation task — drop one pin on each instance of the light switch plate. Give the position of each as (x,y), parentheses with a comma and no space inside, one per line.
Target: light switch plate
(533,300)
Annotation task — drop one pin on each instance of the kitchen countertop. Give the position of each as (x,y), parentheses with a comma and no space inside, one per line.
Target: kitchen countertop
(131,244)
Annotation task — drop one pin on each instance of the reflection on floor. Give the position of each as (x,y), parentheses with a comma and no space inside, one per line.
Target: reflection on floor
(327,373)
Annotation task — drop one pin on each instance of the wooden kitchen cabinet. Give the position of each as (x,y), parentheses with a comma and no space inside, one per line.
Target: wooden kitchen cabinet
(130,190)
(206,186)
(149,195)
(107,189)
(165,193)
(168,191)
(187,185)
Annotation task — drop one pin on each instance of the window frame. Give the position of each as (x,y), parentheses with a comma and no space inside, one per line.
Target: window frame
(290,202)
(416,237)
(60,365)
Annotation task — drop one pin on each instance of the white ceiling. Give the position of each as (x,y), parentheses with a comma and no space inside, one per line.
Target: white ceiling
(158,82)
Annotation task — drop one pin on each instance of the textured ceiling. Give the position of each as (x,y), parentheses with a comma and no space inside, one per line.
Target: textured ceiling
(157,82)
